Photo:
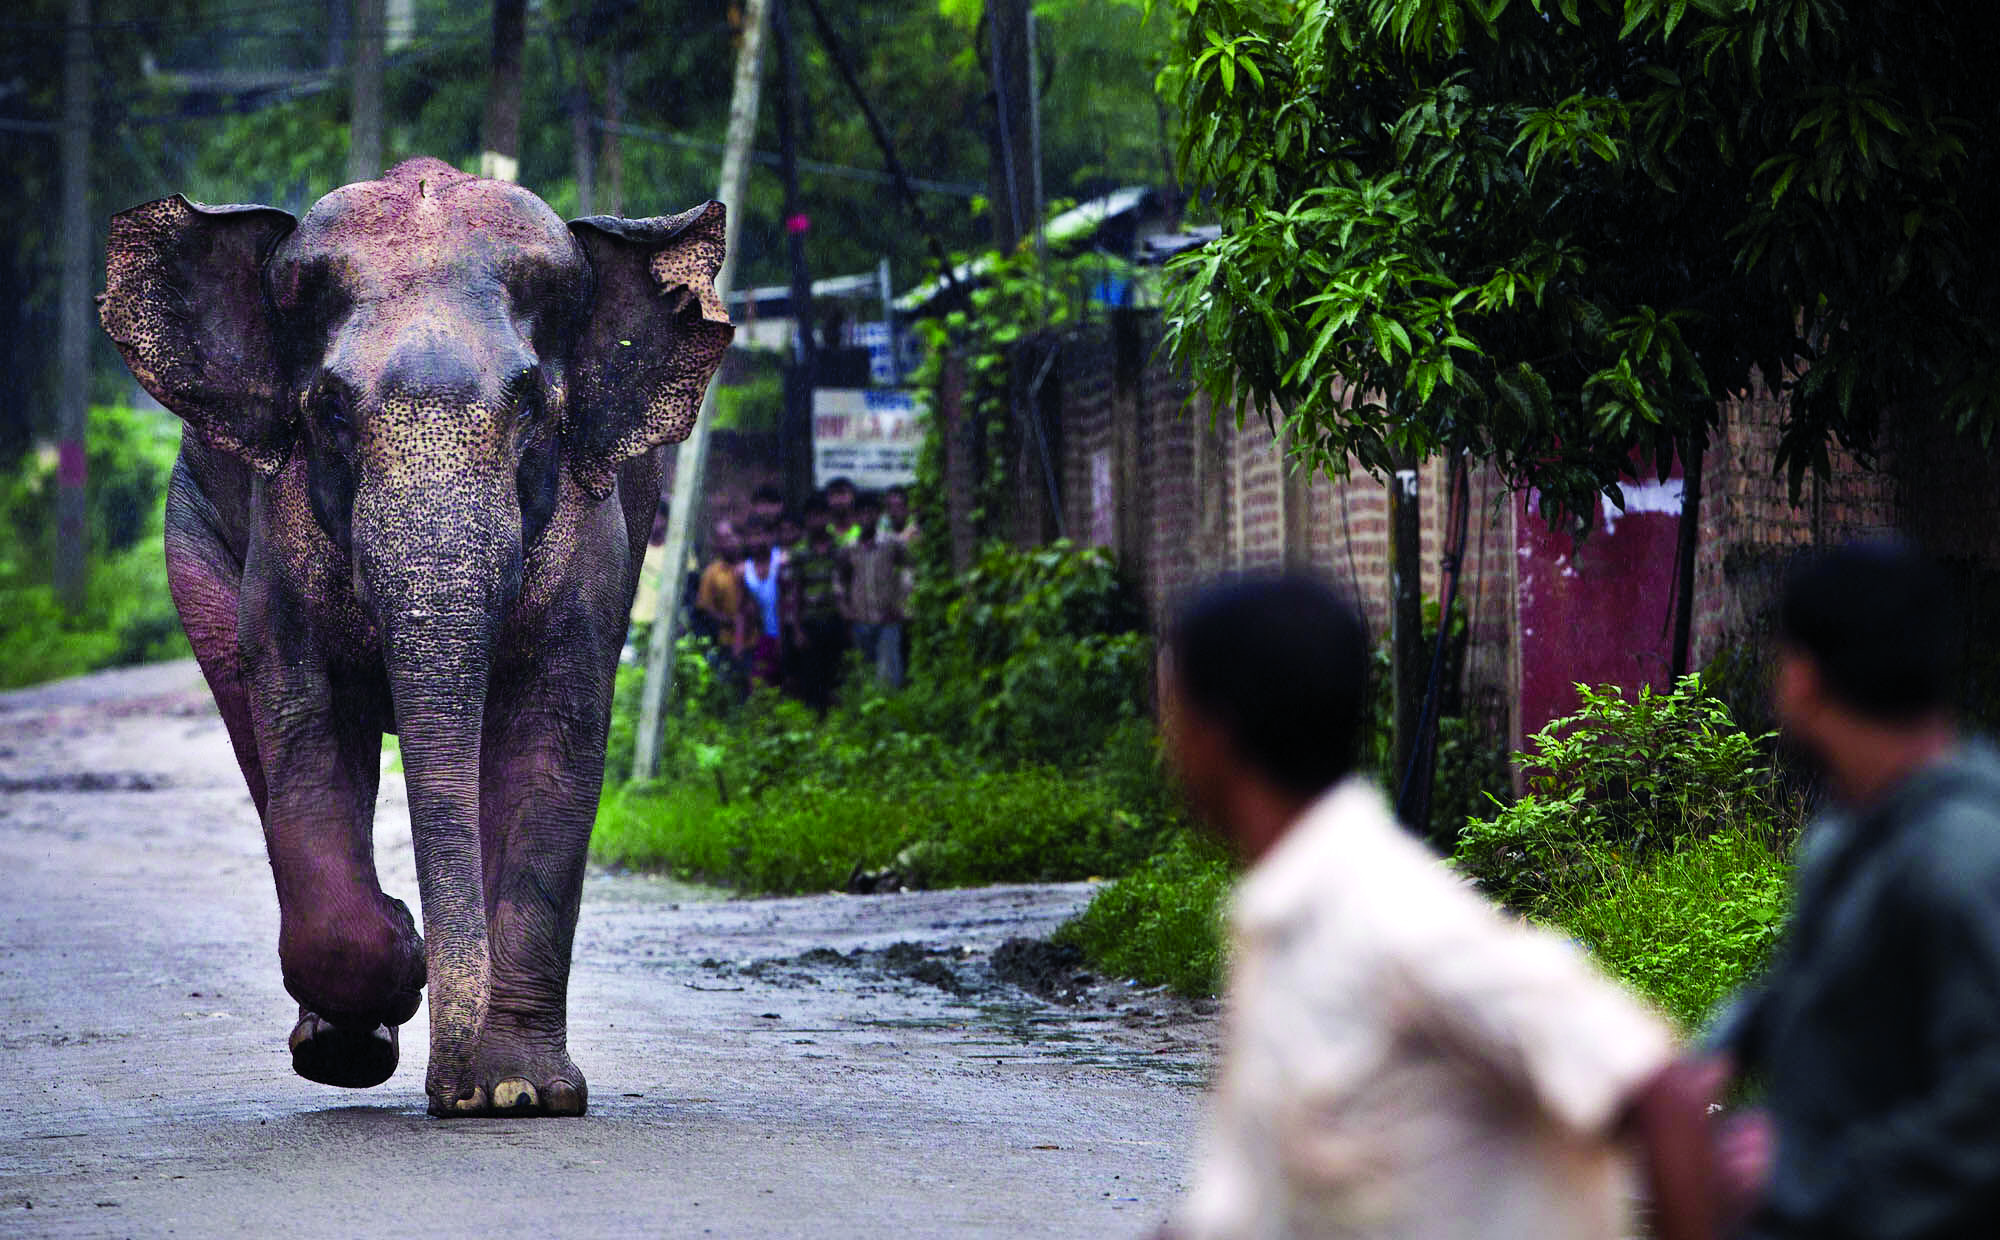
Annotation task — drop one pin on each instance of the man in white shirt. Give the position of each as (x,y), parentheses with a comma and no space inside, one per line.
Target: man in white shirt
(1401,1059)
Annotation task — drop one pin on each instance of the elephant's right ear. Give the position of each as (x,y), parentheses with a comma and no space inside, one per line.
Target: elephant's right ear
(184,300)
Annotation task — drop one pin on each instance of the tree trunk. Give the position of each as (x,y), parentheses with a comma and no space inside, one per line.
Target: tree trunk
(1011,170)
(72,580)
(364,141)
(612,154)
(583,159)
(1408,667)
(500,157)
(691,458)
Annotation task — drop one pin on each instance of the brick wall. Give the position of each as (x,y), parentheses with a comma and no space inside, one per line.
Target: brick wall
(1183,496)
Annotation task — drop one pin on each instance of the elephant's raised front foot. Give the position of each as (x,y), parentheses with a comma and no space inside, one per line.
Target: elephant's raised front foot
(349,1057)
(509,1078)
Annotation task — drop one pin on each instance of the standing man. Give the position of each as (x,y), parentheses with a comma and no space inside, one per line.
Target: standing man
(1400,1059)
(718,603)
(871,593)
(824,631)
(841,516)
(1876,1031)
(757,627)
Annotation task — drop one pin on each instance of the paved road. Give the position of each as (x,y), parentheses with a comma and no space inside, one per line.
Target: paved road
(757,1068)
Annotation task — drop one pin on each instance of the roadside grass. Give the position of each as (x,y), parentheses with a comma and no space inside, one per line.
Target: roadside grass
(1162,923)
(1687,927)
(1032,825)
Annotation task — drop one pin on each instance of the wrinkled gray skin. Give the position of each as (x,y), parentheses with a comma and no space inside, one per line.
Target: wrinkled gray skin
(422,457)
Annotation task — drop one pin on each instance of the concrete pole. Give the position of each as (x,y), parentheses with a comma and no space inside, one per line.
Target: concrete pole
(364,142)
(500,135)
(72,579)
(691,458)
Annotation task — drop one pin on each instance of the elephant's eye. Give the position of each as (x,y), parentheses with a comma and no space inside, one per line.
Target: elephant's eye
(333,412)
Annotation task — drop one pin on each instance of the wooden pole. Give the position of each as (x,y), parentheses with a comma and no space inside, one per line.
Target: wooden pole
(691,458)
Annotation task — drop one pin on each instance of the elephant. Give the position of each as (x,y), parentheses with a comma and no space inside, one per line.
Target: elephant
(423,442)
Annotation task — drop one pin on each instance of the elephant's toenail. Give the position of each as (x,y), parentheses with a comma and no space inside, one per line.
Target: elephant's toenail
(562,1098)
(512,1094)
(474,1101)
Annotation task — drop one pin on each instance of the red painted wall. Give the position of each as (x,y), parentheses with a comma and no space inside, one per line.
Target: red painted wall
(1598,611)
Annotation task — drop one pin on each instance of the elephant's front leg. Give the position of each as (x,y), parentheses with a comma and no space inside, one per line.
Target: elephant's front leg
(541,769)
(350,954)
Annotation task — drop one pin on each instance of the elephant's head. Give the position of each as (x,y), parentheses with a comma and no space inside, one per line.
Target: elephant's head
(438,348)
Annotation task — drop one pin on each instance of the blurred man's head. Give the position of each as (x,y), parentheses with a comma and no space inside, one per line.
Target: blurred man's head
(840,500)
(817,515)
(791,528)
(868,509)
(767,502)
(723,542)
(1870,642)
(896,502)
(1262,684)
(757,538)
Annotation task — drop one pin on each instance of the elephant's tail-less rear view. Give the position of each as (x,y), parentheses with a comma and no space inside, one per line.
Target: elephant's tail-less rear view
(423,449)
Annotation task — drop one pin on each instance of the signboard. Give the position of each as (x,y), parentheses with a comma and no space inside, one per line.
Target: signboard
(881,347)
(866,435)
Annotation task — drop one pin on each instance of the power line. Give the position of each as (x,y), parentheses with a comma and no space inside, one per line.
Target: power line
(770,159)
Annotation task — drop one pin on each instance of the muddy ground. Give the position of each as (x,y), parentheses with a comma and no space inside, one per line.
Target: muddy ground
(884,1065)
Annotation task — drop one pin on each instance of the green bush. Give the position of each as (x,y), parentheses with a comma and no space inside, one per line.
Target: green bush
(1656,833)
(1162,923)
(1619,779)
(128,614)
(1031,656)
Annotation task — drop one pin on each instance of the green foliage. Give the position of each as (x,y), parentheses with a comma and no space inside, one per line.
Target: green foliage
(1162,923)
(128,614)
(1557,233)
(1019,752)
(1689,925)
(846,807)
(1031,655)
(1618,780)
(753,406)
(1011,317)
(1656,833)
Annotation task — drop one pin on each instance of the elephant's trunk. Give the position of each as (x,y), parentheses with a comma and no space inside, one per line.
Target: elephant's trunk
(439,570)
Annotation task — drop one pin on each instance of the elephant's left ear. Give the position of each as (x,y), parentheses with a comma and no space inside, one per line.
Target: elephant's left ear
(656,331)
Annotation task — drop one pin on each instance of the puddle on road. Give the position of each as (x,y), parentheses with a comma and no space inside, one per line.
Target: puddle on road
(1069,1017)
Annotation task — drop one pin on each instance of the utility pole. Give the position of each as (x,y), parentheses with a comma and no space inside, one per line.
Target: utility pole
(500,156)
(795,432)
(1013,195)
(691,458)
(364,141)
(72,580)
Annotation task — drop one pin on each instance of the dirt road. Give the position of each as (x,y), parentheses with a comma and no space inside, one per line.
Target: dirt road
(818,1067)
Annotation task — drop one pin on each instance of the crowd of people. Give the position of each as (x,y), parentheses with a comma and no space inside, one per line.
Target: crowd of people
(787,594)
